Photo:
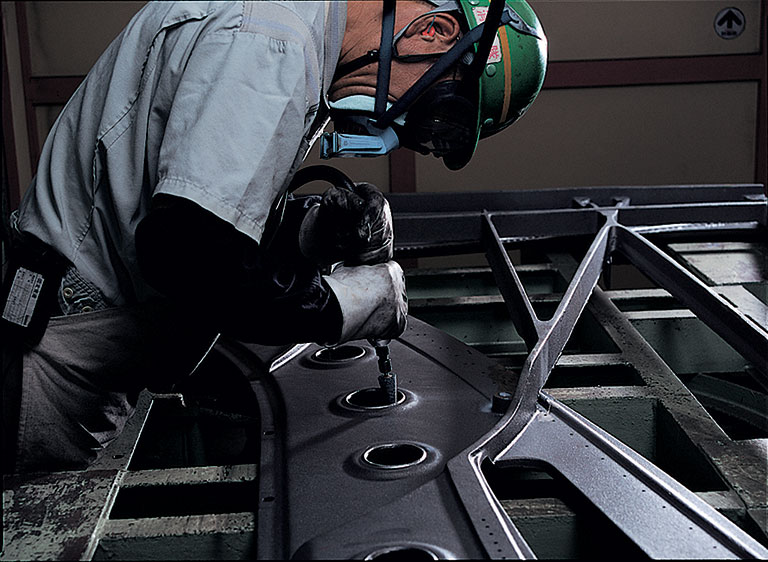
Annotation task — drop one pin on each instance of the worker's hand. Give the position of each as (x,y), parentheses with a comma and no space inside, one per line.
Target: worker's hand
(354,227)
(372,299)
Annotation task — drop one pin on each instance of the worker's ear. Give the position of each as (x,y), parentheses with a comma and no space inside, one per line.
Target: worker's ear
(430,33)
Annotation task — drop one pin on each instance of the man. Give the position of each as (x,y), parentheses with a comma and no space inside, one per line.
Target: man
(158,216)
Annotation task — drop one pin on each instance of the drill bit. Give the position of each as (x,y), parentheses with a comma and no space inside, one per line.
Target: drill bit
(388,385)
(387,378)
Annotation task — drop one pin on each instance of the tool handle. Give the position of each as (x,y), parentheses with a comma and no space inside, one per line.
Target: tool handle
(382,352)
(379,343)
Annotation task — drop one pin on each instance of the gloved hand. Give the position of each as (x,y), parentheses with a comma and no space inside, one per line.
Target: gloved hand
(372,299)
(354,227)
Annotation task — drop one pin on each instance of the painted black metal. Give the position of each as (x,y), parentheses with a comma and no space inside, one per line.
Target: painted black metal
(328,487)
(563,198)
(434,224)
(519,305)
(546,340)
(747,338)
(342,476)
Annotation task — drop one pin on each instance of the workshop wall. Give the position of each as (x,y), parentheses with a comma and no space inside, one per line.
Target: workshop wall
(617,29)
(646,135)
(577,133)
(683,133)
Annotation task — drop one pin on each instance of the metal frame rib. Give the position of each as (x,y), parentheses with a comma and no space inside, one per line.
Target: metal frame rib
(661,516)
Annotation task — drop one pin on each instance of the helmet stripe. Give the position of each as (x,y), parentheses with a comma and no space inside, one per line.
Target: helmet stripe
(507,58)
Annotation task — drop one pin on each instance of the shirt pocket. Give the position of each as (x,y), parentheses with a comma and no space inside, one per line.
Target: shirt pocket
(133,60)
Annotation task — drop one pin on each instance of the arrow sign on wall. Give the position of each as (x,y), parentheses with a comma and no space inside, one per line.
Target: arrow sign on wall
(729,23)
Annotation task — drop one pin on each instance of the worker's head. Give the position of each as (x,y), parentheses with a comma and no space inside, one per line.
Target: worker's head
(416,32)
(450,83)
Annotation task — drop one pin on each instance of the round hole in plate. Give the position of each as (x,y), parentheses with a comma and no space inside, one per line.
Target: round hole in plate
(402,553)
(340,354)
(371,399)
(395,455)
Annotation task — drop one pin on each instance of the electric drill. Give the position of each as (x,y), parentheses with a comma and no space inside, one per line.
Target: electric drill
(387,379)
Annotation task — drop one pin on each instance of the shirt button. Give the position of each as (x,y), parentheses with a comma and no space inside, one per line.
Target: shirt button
(68,292)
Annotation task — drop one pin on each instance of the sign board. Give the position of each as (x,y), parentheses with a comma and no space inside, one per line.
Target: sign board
(730,23)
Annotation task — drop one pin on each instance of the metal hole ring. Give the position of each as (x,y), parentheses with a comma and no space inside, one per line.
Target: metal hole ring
(370,399)
(399,552)
(340,354)
(394,456)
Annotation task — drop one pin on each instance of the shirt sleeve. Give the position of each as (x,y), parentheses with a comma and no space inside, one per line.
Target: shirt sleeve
(235,126)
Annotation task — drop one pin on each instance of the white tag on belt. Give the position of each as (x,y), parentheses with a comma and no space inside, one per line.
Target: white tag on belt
(23,297)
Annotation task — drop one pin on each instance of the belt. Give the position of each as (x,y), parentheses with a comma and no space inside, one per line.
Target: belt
(78,295)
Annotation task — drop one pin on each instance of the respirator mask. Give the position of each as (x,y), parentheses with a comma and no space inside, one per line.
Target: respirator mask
(442,122)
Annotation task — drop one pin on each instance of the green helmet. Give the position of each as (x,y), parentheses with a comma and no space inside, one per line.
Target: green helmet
(514,73)
(503,83)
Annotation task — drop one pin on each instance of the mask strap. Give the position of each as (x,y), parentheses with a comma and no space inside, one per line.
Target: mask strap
(446,61)
(373,55)
(429,77)
(385,56)
(493,20)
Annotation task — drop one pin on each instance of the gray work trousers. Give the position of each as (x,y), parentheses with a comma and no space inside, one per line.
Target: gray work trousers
(79,385)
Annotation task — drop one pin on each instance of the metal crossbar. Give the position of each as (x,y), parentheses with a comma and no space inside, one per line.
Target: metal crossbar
(661,516)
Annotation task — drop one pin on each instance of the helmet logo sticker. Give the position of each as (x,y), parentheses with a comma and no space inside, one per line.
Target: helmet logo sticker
(480,13)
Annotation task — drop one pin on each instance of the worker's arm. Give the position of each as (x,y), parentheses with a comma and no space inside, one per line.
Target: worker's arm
(272,296)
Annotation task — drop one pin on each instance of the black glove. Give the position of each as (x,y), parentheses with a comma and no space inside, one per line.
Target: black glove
(350,226)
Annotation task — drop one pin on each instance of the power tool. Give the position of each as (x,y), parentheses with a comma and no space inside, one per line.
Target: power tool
(387,378)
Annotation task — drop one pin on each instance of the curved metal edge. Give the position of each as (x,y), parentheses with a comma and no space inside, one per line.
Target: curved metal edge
(664,518)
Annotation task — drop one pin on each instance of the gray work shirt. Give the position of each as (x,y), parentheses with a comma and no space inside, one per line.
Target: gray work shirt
(216,102)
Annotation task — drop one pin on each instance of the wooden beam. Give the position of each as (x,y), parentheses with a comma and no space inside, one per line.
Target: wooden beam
(9,140)
(55,90)
(402,171)
(654,71)
(26,73)
(761,165)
